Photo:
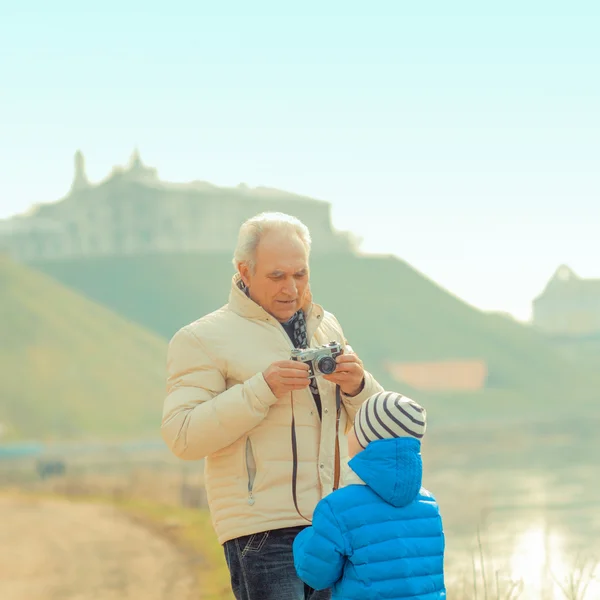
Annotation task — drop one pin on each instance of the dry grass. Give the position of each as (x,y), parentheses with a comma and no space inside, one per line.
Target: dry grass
(61,549)
(576,585)
(191,530)
(188,529)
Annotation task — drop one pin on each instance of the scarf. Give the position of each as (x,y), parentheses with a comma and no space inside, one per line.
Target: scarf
(297,332)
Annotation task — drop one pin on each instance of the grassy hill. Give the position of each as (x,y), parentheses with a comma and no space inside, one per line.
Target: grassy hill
(70,367)
(389,312)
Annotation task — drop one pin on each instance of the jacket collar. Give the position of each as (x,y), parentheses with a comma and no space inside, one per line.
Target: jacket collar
(349,477)
(242,305)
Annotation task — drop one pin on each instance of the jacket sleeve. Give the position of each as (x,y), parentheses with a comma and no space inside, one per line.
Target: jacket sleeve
(201,416)
(319,550)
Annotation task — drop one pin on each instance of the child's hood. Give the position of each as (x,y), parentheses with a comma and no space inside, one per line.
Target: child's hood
(393,469)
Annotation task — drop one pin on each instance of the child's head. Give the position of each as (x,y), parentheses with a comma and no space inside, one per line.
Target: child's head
(386,415)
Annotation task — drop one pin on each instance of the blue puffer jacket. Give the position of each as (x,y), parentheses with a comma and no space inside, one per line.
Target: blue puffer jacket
(382,540)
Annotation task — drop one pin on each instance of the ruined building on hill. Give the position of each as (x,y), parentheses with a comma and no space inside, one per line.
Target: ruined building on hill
(568,310)
(133,212)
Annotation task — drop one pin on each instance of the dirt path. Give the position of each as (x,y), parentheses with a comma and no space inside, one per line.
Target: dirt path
(55,550)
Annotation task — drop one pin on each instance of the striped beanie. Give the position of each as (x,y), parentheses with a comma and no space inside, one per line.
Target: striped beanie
(388,415)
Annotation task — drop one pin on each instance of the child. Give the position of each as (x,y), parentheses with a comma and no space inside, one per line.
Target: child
(381,535)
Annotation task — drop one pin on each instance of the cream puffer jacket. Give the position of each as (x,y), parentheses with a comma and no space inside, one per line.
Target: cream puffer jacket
(219,407)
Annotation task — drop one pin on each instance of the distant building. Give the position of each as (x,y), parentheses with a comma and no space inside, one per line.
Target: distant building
(133,212)
(446,375)
(569,306)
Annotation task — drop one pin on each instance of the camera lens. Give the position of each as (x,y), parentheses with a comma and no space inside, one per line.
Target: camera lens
(327,365)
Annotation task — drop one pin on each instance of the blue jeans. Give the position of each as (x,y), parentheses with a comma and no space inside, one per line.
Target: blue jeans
(262,567)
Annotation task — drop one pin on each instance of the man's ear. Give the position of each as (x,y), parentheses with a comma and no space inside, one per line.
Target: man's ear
(307,301)
(244,272)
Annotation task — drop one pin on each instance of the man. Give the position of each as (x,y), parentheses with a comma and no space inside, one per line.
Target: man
(272,436)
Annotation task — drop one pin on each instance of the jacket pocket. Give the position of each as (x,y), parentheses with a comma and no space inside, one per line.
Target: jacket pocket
(250,470)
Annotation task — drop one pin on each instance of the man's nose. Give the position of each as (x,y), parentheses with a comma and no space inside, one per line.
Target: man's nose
(290,287)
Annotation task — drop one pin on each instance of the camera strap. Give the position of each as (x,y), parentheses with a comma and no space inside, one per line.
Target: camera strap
(338,411)
(337,464)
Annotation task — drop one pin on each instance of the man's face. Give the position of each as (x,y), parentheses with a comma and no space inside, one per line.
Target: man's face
(280,280)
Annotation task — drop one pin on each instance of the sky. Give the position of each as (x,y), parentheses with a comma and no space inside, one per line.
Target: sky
(462,137)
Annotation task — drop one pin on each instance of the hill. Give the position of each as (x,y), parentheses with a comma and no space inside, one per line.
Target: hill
(70,367)
(389,311)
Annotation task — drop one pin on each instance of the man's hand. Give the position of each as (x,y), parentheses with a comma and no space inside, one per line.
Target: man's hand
(349,373)
(285,376)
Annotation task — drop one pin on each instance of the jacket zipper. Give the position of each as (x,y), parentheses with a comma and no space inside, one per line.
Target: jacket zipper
(249,469)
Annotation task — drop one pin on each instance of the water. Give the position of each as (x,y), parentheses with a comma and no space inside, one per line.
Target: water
(542,559)
(538,527)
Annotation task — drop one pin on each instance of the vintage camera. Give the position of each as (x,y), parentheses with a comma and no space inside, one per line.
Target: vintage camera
(321,360)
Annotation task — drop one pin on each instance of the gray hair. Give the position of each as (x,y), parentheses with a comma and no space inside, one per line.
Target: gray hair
(253,229)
